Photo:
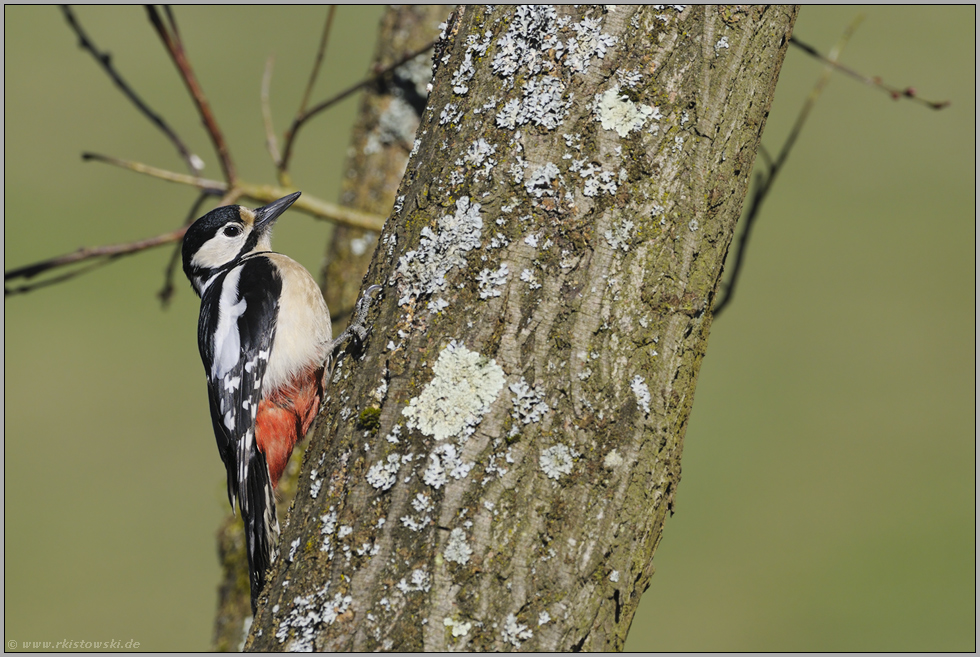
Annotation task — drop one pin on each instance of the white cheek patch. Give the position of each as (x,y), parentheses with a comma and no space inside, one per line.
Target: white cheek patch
(219,250)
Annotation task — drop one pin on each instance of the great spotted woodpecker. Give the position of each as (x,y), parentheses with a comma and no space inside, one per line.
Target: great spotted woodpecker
(265,337)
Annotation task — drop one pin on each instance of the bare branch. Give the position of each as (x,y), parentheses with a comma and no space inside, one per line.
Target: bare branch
(23,289)
(307,203)
(764,181)
(105,61)
(317,61)
(171,40)
(167,291)
(260,193)
(894,92)
(300,120)
(173,25)
(101,254)
(314,207)
(111,251)
(811,100)
(232,189)
(271,143)
(213,187)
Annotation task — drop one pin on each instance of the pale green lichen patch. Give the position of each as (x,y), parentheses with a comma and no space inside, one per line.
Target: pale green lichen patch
(617,112)
(460,394)
(459,628)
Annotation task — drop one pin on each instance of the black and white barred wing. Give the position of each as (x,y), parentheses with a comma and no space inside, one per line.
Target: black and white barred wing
(238,325)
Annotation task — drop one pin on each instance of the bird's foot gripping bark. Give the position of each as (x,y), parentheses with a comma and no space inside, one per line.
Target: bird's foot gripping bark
(356,331)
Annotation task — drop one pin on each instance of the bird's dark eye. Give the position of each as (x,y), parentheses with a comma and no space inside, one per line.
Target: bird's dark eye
(232,230)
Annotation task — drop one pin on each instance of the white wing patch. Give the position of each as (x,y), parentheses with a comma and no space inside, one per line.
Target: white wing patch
(227,342)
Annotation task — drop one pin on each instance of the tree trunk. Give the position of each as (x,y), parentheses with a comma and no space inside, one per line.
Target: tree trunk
(388,118)
(494,469)
(382,139)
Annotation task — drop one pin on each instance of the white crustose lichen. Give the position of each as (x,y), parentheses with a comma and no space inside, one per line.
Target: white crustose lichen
(384,474)
(529,404)
(489,281)
(642,393)
(514,633)
(620,235)
(459,628)
(557,461)
(424,270)
(444,462)
(457,549)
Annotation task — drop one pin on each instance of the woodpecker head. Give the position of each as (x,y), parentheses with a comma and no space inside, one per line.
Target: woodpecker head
(227,234)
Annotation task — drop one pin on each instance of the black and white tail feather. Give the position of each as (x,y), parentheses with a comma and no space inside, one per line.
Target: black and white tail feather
(261,524)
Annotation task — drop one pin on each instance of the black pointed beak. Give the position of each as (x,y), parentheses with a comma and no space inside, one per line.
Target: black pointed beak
(267,215)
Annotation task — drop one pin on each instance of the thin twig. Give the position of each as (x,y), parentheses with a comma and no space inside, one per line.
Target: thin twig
(90,253)
(101,254)
(894,92)
(271,143)
(307,203)
(764,181)
(301,120)
(167,291)
(283,175)
(260,193)
(23,289)
(173,25)
(317,60)
(105,61)
(811,100)
(764,152)
(232,189)
(314,207)
(179,56)
(214,187)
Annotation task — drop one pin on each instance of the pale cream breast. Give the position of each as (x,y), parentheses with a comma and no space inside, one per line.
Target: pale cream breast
(302,311)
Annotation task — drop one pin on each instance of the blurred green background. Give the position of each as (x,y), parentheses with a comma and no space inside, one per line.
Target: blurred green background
(828,496)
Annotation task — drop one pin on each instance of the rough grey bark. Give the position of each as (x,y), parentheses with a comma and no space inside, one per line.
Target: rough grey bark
(494,470)
(233,615)
(380,143)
